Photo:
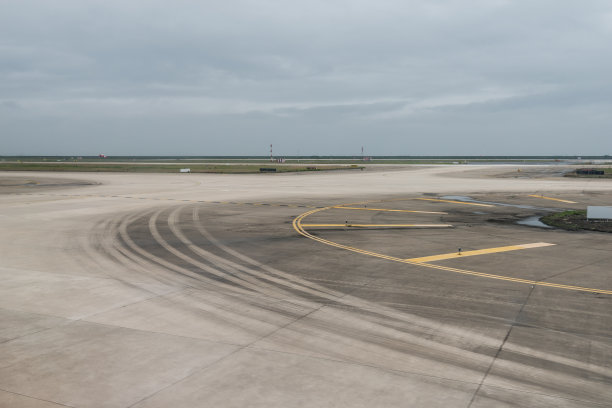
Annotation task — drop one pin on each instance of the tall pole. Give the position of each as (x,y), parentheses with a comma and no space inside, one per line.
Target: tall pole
(271,158)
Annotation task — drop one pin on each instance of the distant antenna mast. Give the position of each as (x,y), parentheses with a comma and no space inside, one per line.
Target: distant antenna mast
(362,156)
(271,157)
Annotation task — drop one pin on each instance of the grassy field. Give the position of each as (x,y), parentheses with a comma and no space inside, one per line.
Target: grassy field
(575,220)
(163,168)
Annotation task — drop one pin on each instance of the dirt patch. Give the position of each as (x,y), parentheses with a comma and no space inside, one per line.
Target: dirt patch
(16,184)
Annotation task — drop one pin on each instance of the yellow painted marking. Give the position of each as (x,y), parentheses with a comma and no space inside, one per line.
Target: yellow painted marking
(455,202)
(550,198)
(378,225)
(297,225)
(390,210)
(479,252)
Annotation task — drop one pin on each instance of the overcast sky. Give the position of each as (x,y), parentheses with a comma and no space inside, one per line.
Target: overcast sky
(487,77)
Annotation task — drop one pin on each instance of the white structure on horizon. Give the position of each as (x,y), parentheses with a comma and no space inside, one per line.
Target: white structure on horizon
(599,213)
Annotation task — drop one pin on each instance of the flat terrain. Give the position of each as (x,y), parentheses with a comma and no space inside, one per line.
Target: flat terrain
(394,288)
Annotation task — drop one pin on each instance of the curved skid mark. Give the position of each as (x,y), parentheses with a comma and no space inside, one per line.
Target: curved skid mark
(234,271)
(254,275)
(183,271)
(237,281)
(216,309)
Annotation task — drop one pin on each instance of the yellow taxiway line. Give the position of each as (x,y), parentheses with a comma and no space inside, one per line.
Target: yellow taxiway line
(297,225)
(455,202)
(387,209)
(485,251)
(550,198)
(379,225)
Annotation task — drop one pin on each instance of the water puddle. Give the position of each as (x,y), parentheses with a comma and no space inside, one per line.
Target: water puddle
(533,222)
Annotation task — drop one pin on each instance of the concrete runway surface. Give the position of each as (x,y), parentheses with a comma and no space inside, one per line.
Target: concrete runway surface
(340,289)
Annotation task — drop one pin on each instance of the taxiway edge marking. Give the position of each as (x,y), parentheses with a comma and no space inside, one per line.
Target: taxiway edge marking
(551,198)
(483,251)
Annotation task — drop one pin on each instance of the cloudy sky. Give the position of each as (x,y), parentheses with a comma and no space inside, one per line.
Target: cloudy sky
(478,77)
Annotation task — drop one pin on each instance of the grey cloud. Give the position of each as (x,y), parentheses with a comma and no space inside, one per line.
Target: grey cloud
(245,73)
(10,105)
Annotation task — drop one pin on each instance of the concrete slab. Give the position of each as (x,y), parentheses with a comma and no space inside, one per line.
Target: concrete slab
(208,315)
(9,400)
(16,324)
(66,296)
(415,345)
(268,379)
(92,365)
(508,398)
